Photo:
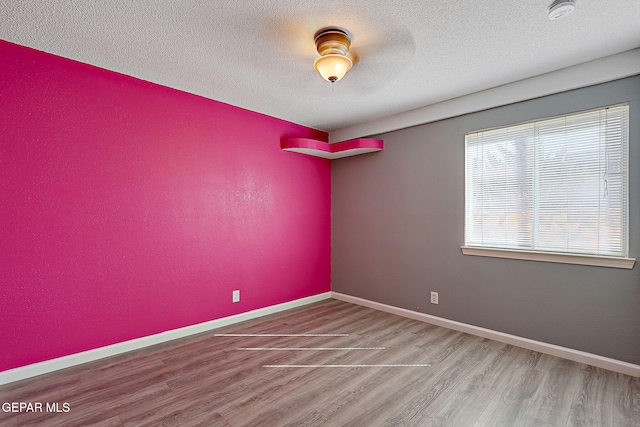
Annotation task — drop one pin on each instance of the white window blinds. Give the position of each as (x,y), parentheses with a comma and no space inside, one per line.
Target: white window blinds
(554,185)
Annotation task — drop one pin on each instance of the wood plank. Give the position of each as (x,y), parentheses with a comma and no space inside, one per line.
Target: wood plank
(529,421)
(508,407)
(552,401)
(449,404)
(593,401)
(626,401)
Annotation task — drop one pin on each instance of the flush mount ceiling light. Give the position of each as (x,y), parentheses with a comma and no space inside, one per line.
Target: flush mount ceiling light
(333,46)
(561,8)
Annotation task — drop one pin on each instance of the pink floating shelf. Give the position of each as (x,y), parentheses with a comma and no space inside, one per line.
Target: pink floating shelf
(313,147)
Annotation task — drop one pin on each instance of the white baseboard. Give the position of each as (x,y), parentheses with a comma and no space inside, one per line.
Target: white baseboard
(551,349)
(40,368)
(47,366)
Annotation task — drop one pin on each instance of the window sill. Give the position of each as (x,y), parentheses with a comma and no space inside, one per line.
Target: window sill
(595,260)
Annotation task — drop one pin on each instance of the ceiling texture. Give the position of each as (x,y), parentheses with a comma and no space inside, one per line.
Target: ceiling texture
(258,54)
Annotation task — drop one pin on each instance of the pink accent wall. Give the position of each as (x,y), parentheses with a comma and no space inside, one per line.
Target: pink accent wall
(128,209)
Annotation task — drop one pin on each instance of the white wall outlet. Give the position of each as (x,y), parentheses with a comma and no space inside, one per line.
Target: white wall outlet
(236,296)
(434,297)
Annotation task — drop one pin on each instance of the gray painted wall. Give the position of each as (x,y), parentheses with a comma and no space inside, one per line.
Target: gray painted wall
(398,224)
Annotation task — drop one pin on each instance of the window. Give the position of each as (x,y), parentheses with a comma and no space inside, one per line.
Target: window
(553,186)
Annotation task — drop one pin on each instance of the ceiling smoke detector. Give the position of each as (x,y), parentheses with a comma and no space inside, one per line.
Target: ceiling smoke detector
(561,8)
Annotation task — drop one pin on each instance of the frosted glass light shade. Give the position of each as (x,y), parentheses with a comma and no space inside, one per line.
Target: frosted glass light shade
(333,67)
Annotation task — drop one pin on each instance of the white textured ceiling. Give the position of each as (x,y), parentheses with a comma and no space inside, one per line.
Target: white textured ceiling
(258,54)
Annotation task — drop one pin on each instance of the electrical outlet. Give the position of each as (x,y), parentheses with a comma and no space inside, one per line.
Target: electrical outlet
(434,298)
(235,296)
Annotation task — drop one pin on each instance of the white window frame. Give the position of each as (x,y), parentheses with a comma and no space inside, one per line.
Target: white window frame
(556,257)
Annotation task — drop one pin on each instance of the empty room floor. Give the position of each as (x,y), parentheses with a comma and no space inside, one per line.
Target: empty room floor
(330,364)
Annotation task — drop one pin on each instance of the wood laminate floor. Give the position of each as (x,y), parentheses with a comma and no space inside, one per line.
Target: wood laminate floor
(213,380)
